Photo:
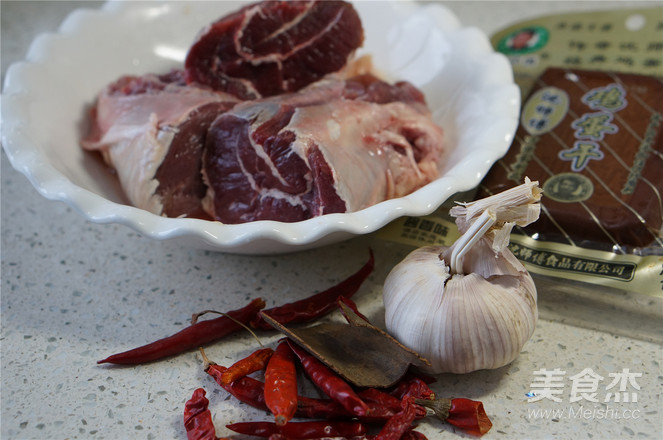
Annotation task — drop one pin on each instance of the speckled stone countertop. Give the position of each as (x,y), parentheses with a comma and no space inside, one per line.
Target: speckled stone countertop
(74,292)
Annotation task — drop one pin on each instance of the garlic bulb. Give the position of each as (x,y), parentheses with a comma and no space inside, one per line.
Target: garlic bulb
(471,305)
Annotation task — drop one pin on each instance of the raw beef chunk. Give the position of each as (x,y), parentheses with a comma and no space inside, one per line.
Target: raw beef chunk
(263,123)
(181,187)
(274,47)
(151,129)
(335,146)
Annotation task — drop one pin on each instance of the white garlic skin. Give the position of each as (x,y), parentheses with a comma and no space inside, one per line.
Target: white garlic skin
(461,323)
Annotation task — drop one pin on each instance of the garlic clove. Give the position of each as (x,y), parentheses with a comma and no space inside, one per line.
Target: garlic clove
(498,320)
(423,275)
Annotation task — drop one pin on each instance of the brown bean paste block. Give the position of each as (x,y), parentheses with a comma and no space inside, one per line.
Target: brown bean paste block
(593,141)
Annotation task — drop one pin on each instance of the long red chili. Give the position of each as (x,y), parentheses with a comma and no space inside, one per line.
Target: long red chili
(197,417)
(400,423)
(256,361)
(252,392)
(317,305)
(191,337)
(465,414)
(281,384)
(331,384)
(245,389)
(312,408)
(301,430)
(351,304)
(380,397)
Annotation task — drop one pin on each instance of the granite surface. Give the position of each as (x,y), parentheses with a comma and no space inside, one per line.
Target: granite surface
(74,292)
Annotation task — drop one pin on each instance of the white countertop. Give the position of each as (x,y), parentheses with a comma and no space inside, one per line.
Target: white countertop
(74,292)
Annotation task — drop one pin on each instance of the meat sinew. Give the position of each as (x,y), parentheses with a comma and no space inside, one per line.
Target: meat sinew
(335,146)
(151,129)
(274,47)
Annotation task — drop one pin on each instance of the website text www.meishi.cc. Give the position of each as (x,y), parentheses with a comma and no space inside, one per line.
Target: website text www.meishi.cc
(584,413)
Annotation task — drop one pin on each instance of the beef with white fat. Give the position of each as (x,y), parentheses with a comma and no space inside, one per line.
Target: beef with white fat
(335,146)
(151,129)
(260,124)
(274,47)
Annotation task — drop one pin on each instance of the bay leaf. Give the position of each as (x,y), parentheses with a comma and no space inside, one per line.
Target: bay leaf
(359,352)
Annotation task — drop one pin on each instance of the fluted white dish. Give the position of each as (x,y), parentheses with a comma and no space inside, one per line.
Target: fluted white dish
(45,100)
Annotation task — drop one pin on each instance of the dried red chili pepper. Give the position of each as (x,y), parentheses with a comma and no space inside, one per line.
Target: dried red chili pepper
(317,305)
(191,337)
(413,435)
(256,361)
(407,435)
(301,430)
(413,386)
(312,408)
(352,306)
(197,417)
(470,416)
(245,389)
(400,423)
(380,397)
(252,392)
(281,384)
(330,383)
(377,398)
(465,414)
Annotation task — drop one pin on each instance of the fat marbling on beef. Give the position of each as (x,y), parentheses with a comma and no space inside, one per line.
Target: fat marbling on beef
(274,47)
(151,129)
(335,146)
(262,124)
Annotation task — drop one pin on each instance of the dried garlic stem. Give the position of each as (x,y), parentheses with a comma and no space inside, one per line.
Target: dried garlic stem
(480,226)
(493,216)
(518,205)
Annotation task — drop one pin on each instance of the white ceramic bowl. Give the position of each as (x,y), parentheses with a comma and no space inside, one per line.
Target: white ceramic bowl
(468,86)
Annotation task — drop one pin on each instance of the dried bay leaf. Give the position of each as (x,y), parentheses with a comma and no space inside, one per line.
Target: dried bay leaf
(359,352)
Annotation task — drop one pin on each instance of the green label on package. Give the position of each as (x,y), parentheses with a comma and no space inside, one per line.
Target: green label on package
(629,41)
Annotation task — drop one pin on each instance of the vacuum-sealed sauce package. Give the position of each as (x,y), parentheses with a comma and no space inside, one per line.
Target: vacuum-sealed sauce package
(594,141)
(591,134)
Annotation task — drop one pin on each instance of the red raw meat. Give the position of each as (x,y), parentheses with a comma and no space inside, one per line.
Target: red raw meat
(335,146)
(274,47)
(152,130)
(258,126)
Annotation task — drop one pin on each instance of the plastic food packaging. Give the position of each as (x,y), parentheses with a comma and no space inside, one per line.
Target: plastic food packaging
(591,133)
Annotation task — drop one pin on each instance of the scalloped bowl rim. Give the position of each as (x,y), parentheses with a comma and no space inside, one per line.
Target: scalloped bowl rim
(259,237)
